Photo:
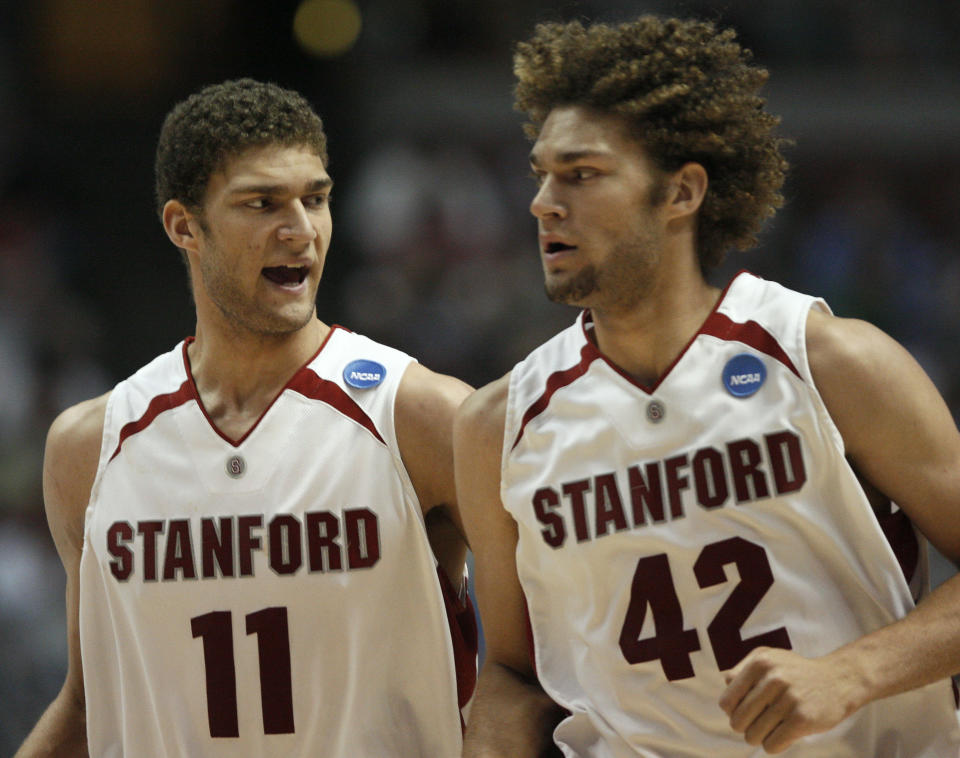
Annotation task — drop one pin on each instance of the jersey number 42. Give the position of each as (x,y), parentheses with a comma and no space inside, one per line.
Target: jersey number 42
(671,644)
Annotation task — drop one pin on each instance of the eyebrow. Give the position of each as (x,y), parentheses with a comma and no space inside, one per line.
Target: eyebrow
(571,156)
(278,189)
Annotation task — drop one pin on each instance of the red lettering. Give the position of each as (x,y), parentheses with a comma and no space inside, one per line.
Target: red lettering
(363,537)
(656,484)
(179,555)
(322,532)
(609,508)
(646,496)
(149,531)
(749,482)
(786,461)
(248,542)
(675,483)
(575,491)
(286,552)
(217,546)
(545,500)
(118,534)
(709,478)
(229,545)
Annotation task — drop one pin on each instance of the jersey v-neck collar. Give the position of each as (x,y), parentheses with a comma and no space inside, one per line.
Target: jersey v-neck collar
(591,350)
(191,383)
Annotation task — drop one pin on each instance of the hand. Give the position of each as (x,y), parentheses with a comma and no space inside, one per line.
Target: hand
(774,697)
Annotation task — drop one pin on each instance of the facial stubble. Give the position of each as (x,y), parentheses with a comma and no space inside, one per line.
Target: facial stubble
(626,276)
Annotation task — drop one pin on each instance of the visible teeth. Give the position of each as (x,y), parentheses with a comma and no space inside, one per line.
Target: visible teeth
(286,274)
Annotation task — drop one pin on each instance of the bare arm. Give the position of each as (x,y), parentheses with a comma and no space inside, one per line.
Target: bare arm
(900,435)
(69,467)
(511,716)
(426,404)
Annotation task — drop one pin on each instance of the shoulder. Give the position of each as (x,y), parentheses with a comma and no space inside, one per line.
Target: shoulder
(897,430)
(425,397)
(70,463)
(886,408)
(478,446)
(482,416)
(77,431)
(424,411)
(843,351)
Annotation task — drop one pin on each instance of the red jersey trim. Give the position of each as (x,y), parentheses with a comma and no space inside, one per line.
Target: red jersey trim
(587,318)
(464,638)
(308,384)
(898,529)
(716,324)
(557,380)
(749,333)
(157,405)
(300,383)
(589,353)
(203,410)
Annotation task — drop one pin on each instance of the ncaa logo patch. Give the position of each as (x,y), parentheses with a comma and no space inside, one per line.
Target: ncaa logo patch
(364,374)
(743,375)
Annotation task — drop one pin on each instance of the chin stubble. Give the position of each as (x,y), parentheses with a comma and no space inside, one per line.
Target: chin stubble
(575,289)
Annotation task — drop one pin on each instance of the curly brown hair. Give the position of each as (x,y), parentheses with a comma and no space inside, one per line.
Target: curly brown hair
(221,121)
(688,92)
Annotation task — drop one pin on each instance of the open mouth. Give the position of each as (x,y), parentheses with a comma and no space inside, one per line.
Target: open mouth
(557,247)
(286,275)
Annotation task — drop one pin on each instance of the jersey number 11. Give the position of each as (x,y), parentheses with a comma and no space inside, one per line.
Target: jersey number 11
(273,644)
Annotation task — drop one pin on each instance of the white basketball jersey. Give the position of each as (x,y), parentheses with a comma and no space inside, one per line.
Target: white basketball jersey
(275,596)
(666,531)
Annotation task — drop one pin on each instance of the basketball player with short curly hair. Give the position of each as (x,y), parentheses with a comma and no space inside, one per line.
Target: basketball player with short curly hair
(263,550)
(681,506)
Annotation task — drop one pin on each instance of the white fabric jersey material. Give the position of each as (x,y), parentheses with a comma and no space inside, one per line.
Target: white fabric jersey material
(666,531)
(275,596)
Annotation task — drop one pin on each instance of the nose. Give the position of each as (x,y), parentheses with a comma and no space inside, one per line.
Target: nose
(297,226)
(546,203)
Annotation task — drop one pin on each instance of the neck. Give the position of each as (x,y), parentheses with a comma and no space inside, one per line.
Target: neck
(646,338)
(239,375)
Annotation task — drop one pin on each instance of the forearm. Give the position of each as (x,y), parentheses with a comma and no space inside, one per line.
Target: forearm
(921,648)
(510,717)
(61,732)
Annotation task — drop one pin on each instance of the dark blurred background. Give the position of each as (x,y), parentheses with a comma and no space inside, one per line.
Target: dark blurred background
(434,250)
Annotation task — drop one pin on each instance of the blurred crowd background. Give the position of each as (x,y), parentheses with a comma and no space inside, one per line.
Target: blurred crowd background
(434,250)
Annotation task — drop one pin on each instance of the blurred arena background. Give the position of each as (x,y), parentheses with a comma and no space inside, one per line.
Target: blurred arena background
(433,249)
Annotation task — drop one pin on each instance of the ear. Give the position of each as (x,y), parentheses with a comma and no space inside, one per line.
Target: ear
(180,225)
(688,186)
